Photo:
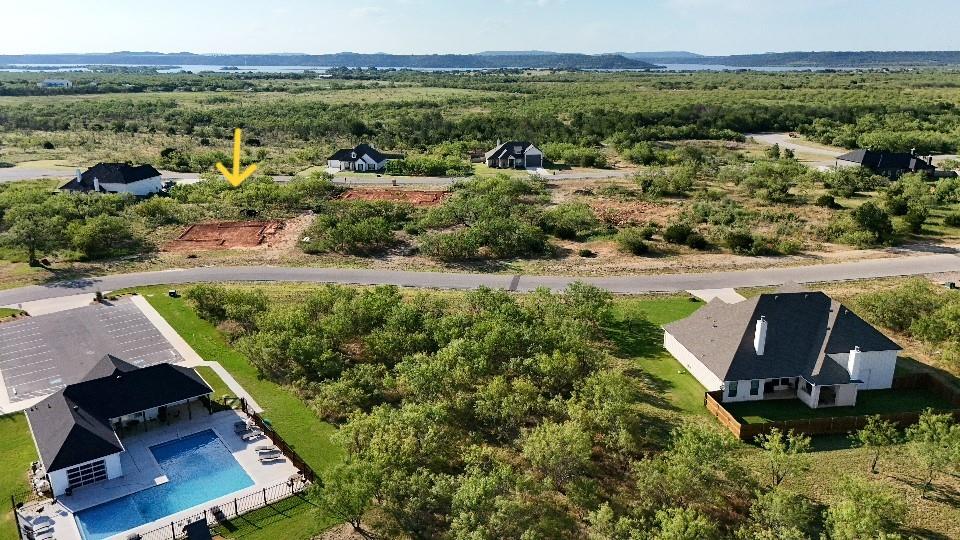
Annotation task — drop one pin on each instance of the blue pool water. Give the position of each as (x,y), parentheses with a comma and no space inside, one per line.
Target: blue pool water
(199,468)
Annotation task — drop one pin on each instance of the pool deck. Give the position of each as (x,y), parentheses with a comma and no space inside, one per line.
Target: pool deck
(141,471)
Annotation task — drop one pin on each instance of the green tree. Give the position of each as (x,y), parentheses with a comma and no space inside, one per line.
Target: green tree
(785,453)
(934,443)
(33,229)
(877,435)
(873,219)
(348,490)
(101,236)
(774,151)
(560,451)
(863,510)
(684,524)
(779,514)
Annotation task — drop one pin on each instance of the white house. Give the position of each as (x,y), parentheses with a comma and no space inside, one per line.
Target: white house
(514,155)
(140,180)
(362,158)
(788,344)
(78,430)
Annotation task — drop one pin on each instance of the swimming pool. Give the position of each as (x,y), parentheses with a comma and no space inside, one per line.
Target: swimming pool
(199,467)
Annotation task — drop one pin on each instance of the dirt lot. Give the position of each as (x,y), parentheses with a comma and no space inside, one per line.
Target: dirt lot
(226,235)
(416,198)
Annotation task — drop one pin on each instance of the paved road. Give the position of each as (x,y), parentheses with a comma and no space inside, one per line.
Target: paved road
(15,174)
(912,265)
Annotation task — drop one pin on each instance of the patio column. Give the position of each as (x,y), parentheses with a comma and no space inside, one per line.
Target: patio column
(189,411)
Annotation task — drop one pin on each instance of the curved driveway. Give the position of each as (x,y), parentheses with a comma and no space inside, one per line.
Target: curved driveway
(912,265)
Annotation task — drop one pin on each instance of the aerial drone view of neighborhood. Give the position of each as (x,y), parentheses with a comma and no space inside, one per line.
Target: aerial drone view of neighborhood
(486,277)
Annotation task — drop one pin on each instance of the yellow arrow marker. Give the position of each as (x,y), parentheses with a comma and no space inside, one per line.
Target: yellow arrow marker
(236,177)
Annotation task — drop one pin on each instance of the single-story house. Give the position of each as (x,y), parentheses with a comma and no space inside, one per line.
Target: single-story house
(78,429)
(140,180)
(514,155)
(362,158)
(783,345)
(892,164)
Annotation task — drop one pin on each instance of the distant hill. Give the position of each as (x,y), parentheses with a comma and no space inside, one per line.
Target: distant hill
(345,59)
(827,59)
(516,53)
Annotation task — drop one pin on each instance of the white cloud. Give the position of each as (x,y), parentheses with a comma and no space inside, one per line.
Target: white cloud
(365,11)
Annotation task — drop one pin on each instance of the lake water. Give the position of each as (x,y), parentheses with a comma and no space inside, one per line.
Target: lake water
(66,68)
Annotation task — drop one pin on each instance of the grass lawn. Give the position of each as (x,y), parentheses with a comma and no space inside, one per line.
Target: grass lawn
(296,517)
(868,402)
(16,453)
(290,416)
(6,313)
(636,333)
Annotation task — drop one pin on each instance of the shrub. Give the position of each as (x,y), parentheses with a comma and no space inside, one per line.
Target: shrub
(355,227)
(872,219)
(826,201)
(677,233)
(697,241)
(952,219)
(631,240)
(570,220)
(101,236)
(586,253)
(915,218)
(47,145)
(429,166)
(572,154)
(675,181)
(739,241)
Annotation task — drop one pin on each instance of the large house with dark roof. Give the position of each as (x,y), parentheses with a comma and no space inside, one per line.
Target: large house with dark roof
(891,164)
(514,155)
(78,430)
(140,180)
(361,158)
(787,344)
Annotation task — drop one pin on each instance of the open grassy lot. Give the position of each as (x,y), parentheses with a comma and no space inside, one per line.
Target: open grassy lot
(16,453)
(868,402)
(291,418)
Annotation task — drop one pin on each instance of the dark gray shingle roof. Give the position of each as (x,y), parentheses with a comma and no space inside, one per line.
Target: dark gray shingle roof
(803,328)
(72,426)
(111,173)
(345,154)
(887,161)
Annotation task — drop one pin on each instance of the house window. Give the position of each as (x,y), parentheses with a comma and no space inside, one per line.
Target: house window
(754,387)
(88,473)
(785,381)
(732,389)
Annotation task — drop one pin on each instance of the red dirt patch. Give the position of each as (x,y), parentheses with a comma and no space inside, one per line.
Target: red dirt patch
(225,235)
(416,198)
(632,212)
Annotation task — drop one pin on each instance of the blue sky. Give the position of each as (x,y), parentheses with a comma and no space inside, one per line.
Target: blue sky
(466,26)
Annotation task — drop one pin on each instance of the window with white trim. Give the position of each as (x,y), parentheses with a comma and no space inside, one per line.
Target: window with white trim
(88,473)
(732,389)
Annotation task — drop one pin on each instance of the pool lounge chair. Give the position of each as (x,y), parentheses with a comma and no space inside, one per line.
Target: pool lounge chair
(241,426)
(271,457)
(251,435)
(267,449)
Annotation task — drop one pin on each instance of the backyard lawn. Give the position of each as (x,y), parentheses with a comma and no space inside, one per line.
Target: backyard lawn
(868,402)
(16,453)
(220,388)
(636,333)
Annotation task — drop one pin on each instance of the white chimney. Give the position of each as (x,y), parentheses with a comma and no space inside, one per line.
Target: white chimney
(760,336)
(96,184)
(853,362)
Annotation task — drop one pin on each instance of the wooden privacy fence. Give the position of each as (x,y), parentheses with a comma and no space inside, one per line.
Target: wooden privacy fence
(835,425)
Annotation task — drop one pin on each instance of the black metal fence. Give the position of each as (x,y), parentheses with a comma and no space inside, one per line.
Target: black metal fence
(224,512)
